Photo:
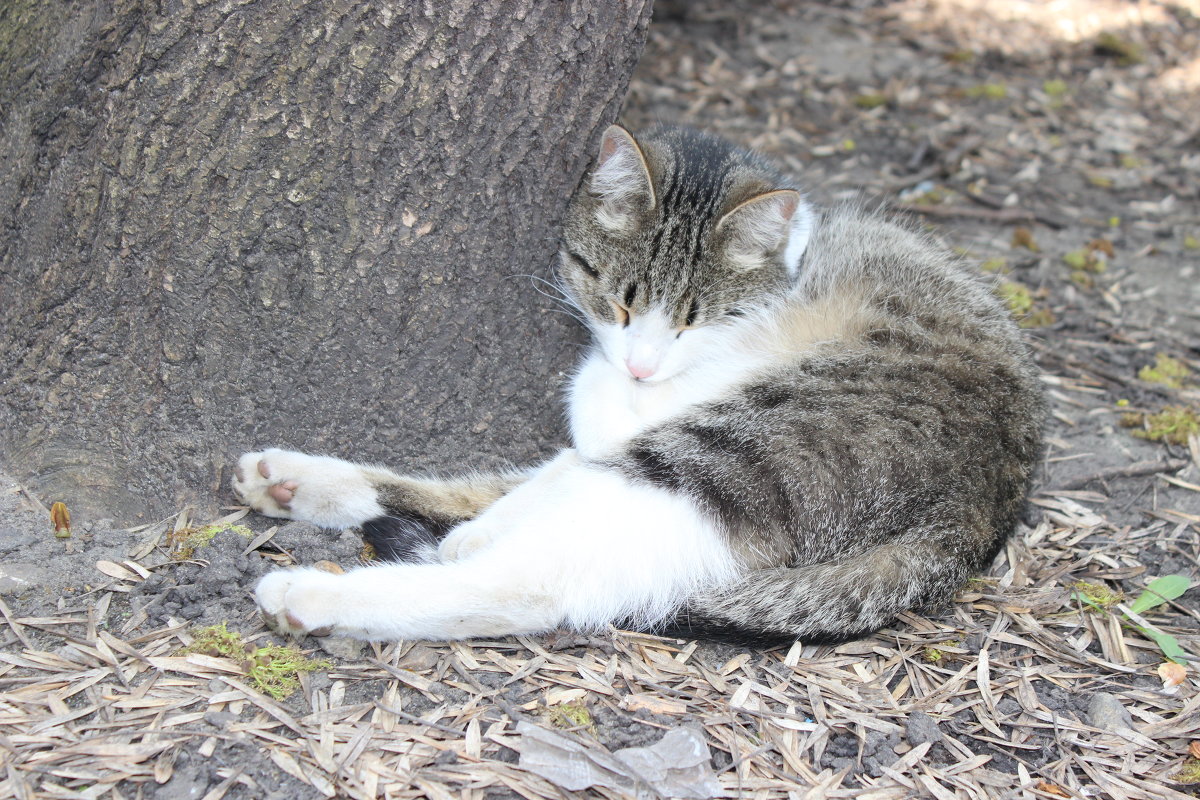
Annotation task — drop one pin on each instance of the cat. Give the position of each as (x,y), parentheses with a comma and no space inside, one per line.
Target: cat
(793,425)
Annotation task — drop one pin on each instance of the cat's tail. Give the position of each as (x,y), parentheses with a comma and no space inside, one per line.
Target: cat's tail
(823,603)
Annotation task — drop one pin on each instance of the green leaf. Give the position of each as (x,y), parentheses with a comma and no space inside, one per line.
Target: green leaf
(1168,644)
(1159,591)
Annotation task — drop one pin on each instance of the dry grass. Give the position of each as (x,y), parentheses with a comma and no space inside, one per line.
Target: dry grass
(87,710)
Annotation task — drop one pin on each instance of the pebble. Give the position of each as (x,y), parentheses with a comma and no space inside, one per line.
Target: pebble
(1106,712)
(345,649)
(920,728)
(16,577)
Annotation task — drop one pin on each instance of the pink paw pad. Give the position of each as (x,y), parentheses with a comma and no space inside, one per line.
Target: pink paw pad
(282,493)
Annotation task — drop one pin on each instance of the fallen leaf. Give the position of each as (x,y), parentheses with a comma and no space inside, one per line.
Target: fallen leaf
(1050,788)
(1194,748)
(677,766)
(653,704)
(1172,675)
(61,519)
(1023,237)
(115,570)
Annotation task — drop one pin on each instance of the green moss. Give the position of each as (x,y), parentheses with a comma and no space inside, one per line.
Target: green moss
(935,655)
(1054,88)
(1017,297)
(1021,305)
(273,669)
(570,715)
(1172,425)
(1191,243)
(870,100)
(1189,772)
(1096,594)
(988,91)
(216,641)
(1087,259)
(1166,371)
(186,541)
(997,266)
(1125,52)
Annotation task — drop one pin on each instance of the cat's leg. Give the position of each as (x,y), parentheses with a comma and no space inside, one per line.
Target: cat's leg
(580,545)
(403,517)
(824,603)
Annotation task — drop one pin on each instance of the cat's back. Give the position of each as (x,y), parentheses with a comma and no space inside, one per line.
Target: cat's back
(906,289)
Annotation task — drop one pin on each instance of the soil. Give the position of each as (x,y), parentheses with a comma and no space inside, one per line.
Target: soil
(1032,142)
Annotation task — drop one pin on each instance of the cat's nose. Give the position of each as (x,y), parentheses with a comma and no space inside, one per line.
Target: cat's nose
(638,371)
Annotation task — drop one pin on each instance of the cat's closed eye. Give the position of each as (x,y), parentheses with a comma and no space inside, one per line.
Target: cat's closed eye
(622,313)
(583,264)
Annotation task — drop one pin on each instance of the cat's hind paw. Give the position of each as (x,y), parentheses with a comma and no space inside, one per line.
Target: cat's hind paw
(326,491)
(466,539)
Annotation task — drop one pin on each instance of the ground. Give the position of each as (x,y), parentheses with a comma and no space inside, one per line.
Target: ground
(1054,144)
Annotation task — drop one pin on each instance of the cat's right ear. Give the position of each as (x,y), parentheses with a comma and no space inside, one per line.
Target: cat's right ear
(620,179)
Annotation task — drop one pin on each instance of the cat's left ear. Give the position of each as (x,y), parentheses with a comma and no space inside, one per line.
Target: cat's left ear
(621,179)
(767,223)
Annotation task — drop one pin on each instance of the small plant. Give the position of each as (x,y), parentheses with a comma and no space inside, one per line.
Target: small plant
(1157,592)
(272,669)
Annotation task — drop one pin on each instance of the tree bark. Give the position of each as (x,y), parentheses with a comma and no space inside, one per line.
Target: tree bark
(244,223)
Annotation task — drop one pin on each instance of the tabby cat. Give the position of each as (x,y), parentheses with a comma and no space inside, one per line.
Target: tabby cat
(792,425)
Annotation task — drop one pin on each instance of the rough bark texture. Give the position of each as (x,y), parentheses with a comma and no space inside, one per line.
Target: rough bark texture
(258,222)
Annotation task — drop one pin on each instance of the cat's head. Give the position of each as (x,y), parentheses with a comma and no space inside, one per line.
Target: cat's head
(670,238)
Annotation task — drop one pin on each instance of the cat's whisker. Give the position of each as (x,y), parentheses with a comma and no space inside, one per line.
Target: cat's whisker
(560,297)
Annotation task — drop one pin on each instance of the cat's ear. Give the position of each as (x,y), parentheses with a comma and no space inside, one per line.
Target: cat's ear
(621,179)
(765,224)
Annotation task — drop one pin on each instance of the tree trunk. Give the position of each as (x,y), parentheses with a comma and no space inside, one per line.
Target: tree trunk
(244,223)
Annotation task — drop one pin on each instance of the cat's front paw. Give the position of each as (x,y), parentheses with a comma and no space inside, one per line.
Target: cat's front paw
(297,602)
(318,489)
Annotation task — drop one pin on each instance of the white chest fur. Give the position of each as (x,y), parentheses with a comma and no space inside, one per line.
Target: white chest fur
(607,407)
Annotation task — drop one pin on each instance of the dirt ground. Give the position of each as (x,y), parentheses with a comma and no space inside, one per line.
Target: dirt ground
(1056,145)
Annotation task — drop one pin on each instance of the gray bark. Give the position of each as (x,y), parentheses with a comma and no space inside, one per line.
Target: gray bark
(244,223)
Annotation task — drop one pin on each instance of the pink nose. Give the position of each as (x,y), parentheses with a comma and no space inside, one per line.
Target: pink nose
(638,371)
